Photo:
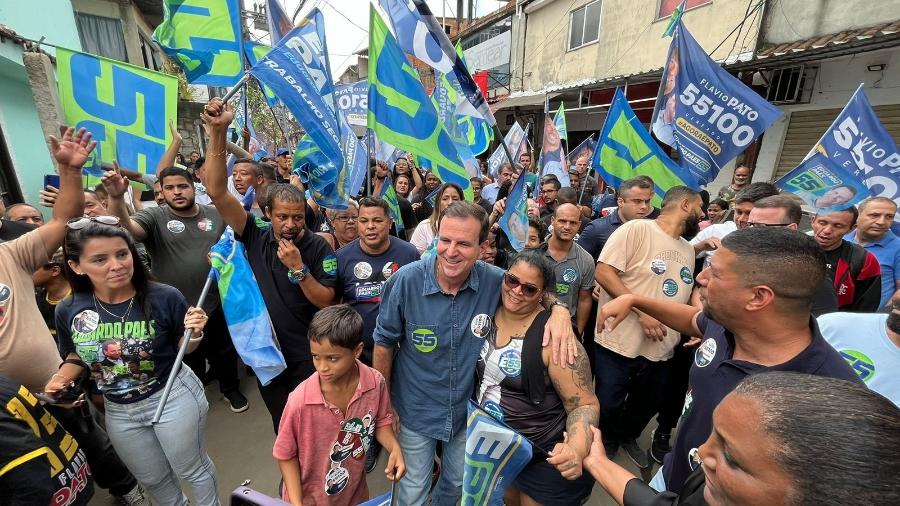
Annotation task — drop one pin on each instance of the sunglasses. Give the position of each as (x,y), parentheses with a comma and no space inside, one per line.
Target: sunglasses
(512,282)
(79,223)
(753,224)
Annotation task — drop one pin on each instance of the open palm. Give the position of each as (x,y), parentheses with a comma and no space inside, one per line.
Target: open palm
(74,148)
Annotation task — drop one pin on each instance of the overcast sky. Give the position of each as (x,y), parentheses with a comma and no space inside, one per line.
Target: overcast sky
(347,23)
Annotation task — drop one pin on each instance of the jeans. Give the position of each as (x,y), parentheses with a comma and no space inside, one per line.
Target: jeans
(418,453)
(629,392)
(106,467)
(219,351)
(175,448)
(275,394)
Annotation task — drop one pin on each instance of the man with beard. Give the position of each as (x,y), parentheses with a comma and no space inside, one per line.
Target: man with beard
(178,236)
(870,343)
(573,266)
(756,296)
(294,268)
(649,258)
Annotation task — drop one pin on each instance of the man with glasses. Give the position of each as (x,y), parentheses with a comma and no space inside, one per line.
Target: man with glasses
(549,189)
(649,258)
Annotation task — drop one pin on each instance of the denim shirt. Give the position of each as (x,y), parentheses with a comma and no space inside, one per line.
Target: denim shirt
(433,372)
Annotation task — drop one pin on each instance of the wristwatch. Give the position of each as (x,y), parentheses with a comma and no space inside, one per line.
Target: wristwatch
(296,276)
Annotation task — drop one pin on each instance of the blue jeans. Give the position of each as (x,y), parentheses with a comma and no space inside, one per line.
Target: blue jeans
(418,453)
(175,448)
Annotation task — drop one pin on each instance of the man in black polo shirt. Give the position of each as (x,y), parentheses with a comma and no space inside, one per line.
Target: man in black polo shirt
(634,199)
(295,268)
(756,297)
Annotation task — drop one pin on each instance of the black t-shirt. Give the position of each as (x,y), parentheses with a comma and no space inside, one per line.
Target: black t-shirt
(361,279)
(40,463)
(290,310)
(130,358)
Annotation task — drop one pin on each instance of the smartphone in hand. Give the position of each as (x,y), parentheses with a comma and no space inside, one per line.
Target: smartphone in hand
(51,180)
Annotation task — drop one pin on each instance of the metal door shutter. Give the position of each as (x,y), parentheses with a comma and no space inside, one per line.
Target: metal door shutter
(807,127)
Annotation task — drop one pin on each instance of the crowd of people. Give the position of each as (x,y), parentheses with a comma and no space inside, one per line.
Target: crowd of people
(768,357)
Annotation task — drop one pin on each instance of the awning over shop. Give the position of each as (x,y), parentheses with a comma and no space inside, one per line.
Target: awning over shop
(523,101)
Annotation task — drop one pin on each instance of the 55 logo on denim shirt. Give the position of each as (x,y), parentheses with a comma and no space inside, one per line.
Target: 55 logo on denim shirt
(424,340)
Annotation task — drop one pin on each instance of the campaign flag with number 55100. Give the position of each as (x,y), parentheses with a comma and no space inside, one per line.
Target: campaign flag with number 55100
(858,142)
(127,108)
(704,112)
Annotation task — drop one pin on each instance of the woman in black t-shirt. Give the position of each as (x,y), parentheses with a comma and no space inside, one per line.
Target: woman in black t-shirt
(124,330)
(518,384)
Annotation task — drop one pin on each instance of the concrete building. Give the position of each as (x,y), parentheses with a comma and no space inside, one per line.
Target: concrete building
(29,108)
(806,57)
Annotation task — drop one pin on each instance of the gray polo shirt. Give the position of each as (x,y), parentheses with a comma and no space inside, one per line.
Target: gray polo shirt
(573,274)
(178,247)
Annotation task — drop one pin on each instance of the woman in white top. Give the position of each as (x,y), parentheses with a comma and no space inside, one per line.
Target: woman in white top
(425,232)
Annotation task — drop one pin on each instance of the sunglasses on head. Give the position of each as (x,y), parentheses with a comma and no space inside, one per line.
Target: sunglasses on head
(512,282)
(79,223)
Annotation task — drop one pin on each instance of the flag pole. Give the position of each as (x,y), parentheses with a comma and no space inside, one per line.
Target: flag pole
(182,351)
(235,88)
(369,162)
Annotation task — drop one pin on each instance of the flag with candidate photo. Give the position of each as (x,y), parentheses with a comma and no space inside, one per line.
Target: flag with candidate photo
(514,221)
(824,185)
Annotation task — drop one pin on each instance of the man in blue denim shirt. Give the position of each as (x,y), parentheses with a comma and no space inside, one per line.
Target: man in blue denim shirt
(437,312)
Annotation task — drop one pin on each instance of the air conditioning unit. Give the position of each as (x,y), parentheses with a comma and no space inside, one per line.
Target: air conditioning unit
(791,85)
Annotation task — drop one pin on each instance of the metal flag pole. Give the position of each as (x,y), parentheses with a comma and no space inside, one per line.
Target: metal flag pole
(236,87)
(182,350)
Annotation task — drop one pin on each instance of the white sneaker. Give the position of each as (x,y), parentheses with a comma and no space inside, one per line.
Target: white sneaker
(135,497)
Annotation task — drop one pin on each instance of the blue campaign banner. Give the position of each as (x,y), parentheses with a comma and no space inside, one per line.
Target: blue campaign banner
(495,455)
(586,148)
(704,112)
(515,139)
(514,221)
(253,51)
(858,142)
(382,500)
(295,69)
(553,158)
(824,185)
(353,100)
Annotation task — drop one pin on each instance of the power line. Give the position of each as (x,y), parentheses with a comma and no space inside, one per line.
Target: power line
(345,17)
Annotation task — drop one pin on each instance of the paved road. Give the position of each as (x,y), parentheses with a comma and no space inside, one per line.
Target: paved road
(240,444)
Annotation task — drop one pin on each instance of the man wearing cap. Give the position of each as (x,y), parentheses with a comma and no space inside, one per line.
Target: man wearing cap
(283,159)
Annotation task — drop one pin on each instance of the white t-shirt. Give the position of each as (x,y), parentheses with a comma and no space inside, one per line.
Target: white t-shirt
(719,230)
(862,340)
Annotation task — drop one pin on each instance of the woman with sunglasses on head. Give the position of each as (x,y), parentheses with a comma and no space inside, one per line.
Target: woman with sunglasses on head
(126,330)
(518,383)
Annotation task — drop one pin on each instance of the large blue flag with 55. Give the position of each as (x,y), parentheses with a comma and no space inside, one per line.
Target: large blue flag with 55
(859,143)
(704,112)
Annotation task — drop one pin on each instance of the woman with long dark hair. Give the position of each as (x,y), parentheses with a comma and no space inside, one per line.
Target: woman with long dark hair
(125,331)
(426,230)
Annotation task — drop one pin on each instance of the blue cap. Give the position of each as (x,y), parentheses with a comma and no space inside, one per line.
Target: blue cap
(282,151)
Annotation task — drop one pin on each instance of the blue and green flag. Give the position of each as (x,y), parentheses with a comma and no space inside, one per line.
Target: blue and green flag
(674,18)
(127,108)
(559,121)
(254,51)
(204,37)
(389,195)
(625,150)
(495,455)
(400,111)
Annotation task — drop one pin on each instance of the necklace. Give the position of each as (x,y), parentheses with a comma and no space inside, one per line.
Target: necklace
(54,302)
(114,315)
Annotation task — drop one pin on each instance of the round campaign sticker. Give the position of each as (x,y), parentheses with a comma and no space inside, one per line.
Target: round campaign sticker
(389,269)
(670,287)
(86,321)
(205,224)
(511,363)
(658,266)
(175,226)
(5,292)
(481,325)
(569,275)
(493,409)
(706,353)
(424,340)
(336,480)
(686,276)
(362,270)
(860,363)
